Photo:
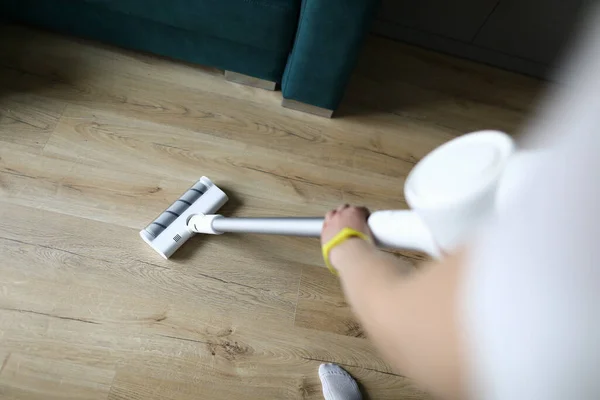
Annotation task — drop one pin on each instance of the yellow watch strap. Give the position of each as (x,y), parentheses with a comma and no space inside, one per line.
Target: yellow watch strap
(338,239)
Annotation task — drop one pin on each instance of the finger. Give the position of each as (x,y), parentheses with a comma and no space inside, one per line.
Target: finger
(343,207)
(330,214)
(365,210)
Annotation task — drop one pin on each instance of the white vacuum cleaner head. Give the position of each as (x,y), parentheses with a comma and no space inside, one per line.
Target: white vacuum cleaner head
(170,230)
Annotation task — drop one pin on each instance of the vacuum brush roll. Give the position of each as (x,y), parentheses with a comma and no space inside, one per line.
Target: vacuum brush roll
(167,217)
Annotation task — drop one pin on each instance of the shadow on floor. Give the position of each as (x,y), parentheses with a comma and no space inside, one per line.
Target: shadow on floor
(426,86)
(27,63)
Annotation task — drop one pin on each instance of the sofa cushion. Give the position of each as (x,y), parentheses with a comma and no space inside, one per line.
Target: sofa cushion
(265,24)
(76,17)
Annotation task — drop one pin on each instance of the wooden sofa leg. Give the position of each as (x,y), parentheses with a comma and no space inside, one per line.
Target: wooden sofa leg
(249,80)
(307,108)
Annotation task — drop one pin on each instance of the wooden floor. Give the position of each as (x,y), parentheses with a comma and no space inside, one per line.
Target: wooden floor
(96,141)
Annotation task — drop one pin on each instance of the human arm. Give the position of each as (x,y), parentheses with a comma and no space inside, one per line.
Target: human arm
(409,314)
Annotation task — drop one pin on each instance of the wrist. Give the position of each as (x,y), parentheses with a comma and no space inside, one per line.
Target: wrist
(344,253)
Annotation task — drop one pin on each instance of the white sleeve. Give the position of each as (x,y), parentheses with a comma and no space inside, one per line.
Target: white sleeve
(531,292)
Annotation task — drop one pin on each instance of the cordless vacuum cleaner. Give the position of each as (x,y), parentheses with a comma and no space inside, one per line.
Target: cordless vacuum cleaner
(450,191)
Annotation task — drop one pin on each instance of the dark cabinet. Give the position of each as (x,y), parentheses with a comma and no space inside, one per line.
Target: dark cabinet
(459,19)
(522,35)
(536,30)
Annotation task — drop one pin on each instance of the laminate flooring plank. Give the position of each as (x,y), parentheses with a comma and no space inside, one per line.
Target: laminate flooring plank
(96,141)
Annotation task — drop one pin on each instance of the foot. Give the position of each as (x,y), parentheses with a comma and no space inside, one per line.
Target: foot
(338,384)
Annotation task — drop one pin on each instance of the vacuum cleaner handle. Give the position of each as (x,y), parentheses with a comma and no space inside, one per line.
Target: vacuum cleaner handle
(288,226)
(403,230)
(398,229)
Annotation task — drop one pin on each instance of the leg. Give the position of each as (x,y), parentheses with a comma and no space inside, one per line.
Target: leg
(249,80)
(338,384)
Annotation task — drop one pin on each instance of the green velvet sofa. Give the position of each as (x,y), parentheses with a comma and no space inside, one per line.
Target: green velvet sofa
(308,47)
